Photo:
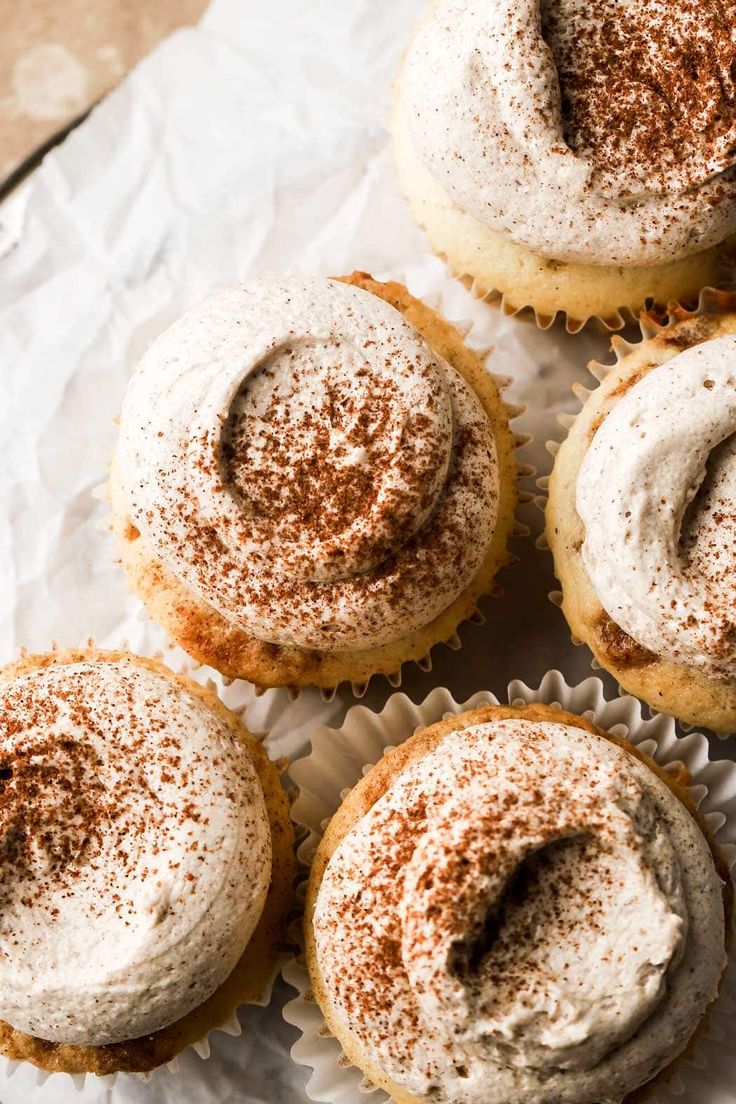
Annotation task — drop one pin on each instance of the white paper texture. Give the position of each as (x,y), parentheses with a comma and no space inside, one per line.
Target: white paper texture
(252,143)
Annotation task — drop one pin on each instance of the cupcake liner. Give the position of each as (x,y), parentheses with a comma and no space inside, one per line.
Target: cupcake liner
(615,320)
(525,495)
(339,758)
(260,718)
(712,300)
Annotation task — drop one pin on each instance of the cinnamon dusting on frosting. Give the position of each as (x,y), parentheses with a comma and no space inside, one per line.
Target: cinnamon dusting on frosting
(300,458)
(649,98)
(589,133)
(660,474)
(134,849)
(708,548)
(305,466)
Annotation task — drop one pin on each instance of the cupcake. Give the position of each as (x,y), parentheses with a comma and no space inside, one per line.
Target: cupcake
(516,907)
(314,481)
(146,863)
(641,518)
(572,157)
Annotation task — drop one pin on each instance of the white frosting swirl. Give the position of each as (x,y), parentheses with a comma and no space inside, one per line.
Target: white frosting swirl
(656,493)
(299,457)
(135,852)
(597,134)
(527,916)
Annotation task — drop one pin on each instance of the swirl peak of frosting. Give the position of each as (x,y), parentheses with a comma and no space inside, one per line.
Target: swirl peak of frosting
(301,459)
(517,917)
(659,480)
(647,90)
(135,851)
(600,134)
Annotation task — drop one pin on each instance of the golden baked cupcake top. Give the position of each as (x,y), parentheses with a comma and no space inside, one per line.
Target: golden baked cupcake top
(136,850)
(589,133)
(525,913)
(299,458)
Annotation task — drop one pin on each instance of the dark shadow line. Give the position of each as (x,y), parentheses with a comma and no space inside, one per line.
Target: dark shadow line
(34,159)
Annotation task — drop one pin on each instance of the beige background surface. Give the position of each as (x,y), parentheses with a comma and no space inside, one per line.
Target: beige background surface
(58,57)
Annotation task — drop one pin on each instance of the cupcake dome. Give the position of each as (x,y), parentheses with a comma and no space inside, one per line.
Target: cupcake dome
(139,827)
(514,906)
(641,519)
(549,128)
(313,476)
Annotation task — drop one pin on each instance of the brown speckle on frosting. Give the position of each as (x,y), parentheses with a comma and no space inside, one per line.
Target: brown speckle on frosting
(299,457)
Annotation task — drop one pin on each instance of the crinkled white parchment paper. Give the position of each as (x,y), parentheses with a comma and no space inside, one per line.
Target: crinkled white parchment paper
(252,143)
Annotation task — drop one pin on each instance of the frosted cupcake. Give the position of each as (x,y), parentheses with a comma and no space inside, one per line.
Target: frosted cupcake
(516,907)
(572,157)
(642,524)
(314,481)
(146,863)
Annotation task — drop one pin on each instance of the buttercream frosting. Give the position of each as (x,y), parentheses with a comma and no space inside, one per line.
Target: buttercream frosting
(593,133)
(134,851)
(301,459)
(655,493)
(526,916)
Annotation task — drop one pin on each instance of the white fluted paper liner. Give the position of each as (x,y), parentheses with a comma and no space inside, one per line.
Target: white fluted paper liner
(283,725)
(202,1049)
(339,758)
